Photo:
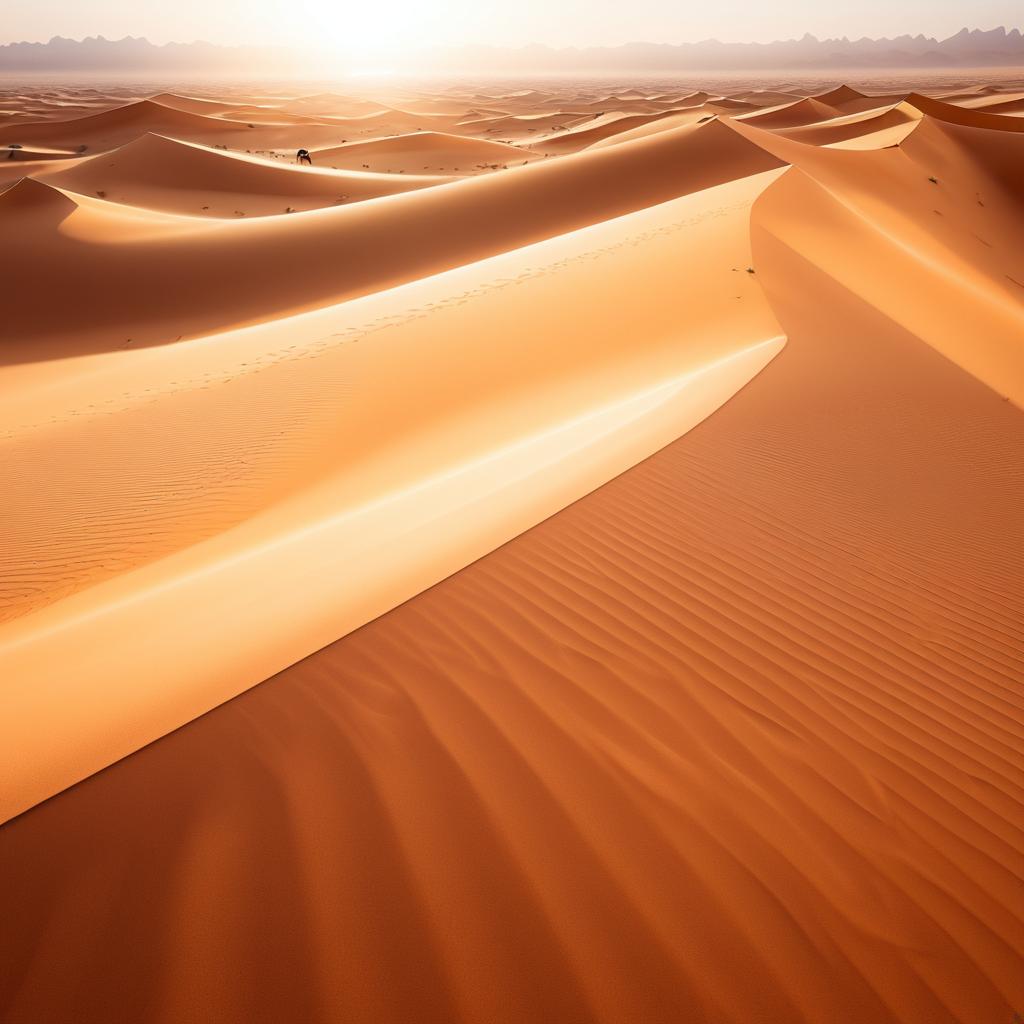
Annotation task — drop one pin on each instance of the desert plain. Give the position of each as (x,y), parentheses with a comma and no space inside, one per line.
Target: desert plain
(558,557)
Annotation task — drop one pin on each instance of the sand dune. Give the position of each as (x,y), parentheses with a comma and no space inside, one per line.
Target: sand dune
(122,124)
(133,293)
(491,441)
(192,104)
(431,152)
(958,115)
(519,127)
(851,101)
(588,591)
(729,106)
(112,128)
(681,119)
(792,115)
(393,119)
(608,126)
(18,152)
(852,126)
(335,104)
(31,202)
(942,215)
(502,722)
(997,105)
(696,99)
(769,98)
(179,177)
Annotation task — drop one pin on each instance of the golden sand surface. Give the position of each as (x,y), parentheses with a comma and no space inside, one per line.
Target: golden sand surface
(558,557)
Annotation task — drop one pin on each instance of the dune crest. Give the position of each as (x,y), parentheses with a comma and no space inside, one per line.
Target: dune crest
(159,173)
(430,151)
(792,115)
(28,198)
(967,117)
(942,214)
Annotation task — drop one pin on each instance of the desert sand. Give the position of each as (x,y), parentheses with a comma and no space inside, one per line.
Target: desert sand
(560,557)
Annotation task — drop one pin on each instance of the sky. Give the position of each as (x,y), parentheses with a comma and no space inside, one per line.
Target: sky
(396,25)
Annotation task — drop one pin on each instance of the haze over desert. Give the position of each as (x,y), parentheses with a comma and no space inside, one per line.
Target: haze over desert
(500,548)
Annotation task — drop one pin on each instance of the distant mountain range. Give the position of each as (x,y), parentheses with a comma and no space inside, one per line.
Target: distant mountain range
(131,54)
(968,48)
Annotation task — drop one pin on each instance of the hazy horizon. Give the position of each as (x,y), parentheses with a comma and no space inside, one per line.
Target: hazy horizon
(393,26)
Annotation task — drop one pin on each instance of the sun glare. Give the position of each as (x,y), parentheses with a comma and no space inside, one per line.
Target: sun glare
(369,32)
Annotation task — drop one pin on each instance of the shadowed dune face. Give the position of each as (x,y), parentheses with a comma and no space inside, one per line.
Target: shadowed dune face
(585,592)
(31,204)
(165,279)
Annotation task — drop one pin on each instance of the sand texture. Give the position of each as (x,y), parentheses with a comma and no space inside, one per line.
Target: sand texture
(558,558)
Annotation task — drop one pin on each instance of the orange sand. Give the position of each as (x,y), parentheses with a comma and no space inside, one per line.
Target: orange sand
(665,495)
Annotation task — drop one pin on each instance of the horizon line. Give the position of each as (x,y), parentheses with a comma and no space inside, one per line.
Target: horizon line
(806,36)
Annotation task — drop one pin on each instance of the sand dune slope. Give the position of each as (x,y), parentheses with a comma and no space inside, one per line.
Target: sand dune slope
(941,215)
(740,729)
(852,101)
(193,104)
(997,104)
(430,152)
(28,203)
(520,127)
(179,177)
(112,128)
(602,128)
(263,453)
(334,104)
(802,112)
(970,118)
(22,153)
(165,279)
(851,126)
(684,118)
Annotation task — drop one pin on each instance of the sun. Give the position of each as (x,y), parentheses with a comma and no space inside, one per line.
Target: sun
(368,28)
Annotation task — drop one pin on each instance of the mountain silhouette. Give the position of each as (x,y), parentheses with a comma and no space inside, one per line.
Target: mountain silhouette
(967,48)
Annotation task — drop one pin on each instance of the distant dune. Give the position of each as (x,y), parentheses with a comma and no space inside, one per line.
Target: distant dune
(180,177)
(432,152)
